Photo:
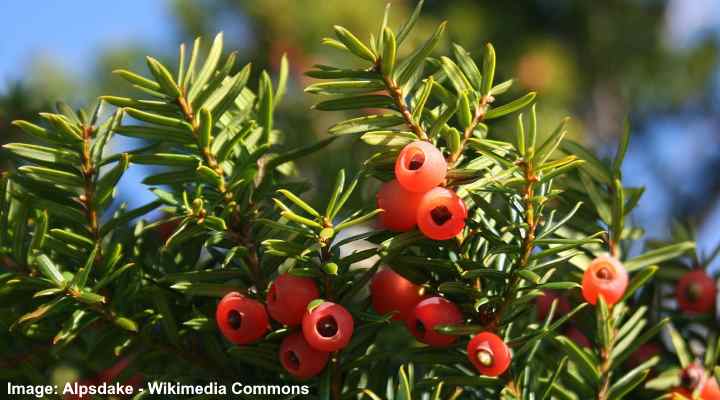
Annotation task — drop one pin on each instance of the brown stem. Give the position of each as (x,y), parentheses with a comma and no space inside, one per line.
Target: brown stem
(399,99)
(89,172)
(605,366)
(480,111)
(244,236)
(207,155)
(528,241)
(252,259)
(605,373)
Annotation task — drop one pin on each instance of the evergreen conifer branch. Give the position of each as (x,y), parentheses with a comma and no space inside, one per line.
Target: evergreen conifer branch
(90,277)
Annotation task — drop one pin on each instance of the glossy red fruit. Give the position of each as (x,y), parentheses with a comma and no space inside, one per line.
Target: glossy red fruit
(578,337)
(299,359)
(430,313)
(288,297)
(681,394)
(696,292)
(441,214)
(328,327)
(241,320)
(489,354)
(400,206)
(543,303)
(391,292)
(710,389)
(420,166)
(605,276)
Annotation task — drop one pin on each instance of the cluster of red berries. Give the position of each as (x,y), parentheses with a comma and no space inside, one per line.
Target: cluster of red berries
(324,328)
(696,292)
(392,293)
(696,384)
(414,197)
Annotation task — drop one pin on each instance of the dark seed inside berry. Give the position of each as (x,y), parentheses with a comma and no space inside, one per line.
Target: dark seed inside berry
(420,327)
(694,292)
(416,161)
(292,360)
(327,326)
(235,319)
(440,215)
(273,295)
(604,274)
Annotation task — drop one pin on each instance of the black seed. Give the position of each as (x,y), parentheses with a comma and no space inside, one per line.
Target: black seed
(416,162)
(327,326)
(604,274)
(235,319)
(440,215)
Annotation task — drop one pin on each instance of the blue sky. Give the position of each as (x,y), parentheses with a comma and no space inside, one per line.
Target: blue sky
(73,32)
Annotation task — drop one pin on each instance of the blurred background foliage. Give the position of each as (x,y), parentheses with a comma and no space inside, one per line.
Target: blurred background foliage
(597,61)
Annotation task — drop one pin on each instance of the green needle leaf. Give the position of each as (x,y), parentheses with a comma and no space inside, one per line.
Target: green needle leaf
(511,107)
(164,78)
(657,256)
(299,202)
(389,52)
(206,124)
(488,71)
(353,44)
(137,79)
(50,270)
(207,69)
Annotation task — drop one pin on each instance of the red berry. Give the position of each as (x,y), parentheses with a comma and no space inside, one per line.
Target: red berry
(578,337)
(489,354)
(604,276)
(299,359)
(681,394)
(288,297)
(420,166)
(400,206)
(710,389)
(391,292)
(696,292)
(241,320)
(441,214)
(328,327)
(430,313)
(544,302)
